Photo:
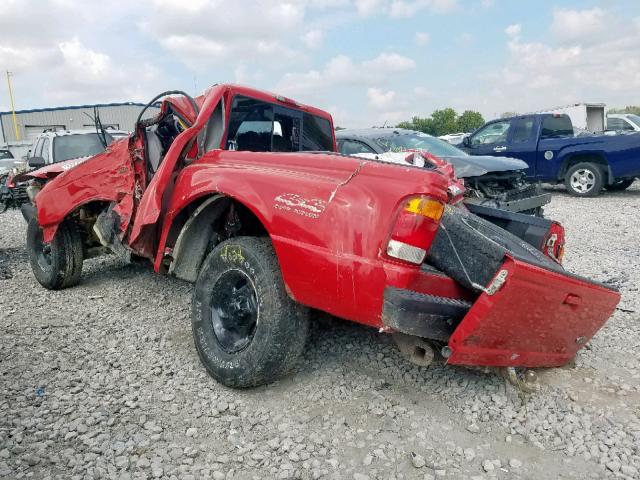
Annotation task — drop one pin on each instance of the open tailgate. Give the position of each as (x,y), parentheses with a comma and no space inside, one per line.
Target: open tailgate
(536,318)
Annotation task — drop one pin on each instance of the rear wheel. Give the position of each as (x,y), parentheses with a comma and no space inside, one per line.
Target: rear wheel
(58,264)
(620,185)
(584,180)
(247,330)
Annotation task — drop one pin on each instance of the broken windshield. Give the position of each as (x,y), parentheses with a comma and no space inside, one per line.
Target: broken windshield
(398,142)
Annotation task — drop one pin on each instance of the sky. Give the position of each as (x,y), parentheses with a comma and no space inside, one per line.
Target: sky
(368,62)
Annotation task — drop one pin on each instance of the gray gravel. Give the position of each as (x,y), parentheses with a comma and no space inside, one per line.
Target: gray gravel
(102,381)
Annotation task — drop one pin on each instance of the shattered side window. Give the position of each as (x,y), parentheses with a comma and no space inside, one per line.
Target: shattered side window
(316,133)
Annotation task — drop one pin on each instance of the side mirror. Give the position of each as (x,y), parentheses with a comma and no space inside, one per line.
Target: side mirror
(36,162)
(466,141)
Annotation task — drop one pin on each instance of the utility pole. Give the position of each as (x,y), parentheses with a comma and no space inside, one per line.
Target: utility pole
(13,108)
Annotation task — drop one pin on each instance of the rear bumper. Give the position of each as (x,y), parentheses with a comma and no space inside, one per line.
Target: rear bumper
(534,318)
(421,314)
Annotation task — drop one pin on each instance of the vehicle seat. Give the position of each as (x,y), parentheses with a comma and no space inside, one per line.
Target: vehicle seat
(153,149)
(252,142)
(281,144)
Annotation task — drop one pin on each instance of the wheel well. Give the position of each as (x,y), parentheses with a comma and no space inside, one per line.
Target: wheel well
(85,217)
(585,158)
(201,226)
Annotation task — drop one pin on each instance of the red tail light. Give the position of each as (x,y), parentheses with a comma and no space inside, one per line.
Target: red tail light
(414,229)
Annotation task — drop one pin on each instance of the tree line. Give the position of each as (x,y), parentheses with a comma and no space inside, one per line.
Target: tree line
(445,121)
(629,109)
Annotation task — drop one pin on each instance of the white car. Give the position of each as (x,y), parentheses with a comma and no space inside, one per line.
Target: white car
(623,122)
(57,146)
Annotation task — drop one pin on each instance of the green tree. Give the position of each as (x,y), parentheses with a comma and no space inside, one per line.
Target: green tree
(508,114)
(420,124)
(444,121)
(469,121)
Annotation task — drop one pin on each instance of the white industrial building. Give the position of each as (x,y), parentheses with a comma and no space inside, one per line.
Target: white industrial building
(30,123)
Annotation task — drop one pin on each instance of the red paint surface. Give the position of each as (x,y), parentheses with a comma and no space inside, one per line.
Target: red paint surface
(537,319)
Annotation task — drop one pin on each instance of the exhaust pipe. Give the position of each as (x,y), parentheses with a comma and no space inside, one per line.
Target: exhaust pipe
(415,349)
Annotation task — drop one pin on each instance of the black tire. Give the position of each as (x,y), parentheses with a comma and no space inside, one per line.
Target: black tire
(246,354)
(620,185)
(471,249)
(59,264)
(588,172)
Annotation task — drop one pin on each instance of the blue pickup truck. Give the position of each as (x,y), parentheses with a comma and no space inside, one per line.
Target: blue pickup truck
(585,163)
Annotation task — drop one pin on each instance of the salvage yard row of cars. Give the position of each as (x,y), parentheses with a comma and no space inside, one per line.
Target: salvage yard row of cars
(251,197)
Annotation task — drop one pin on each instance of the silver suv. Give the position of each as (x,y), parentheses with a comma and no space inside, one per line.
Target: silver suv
(57,146)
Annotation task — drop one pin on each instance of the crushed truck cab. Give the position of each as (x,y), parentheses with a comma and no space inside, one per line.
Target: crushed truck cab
(242,193)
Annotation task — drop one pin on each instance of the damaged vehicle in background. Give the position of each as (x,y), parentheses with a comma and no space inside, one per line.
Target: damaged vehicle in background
(241,192)
(9,168)
(57,150)
(490,181)
(62,145)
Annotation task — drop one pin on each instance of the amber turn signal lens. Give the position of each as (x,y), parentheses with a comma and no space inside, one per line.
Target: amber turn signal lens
(426,207)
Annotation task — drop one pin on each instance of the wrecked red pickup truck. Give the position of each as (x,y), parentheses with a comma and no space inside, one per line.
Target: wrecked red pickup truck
(242,192)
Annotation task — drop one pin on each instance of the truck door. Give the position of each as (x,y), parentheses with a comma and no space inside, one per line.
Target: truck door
(490,139)
(522,143)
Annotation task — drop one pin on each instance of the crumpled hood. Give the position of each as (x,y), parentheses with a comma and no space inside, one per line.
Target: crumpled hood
(478,165)
(55,169)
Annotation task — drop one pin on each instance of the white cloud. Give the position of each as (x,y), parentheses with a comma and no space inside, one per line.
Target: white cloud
(91,65)
(420,92)
(368,7)
(580,25)
(579,62)
(487,3)
(422,38)
(389,63)
(313,39)
(202,36)
(381,100)
(513,30)
(343,71)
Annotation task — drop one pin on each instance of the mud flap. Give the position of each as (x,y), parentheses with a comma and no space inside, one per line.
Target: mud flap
(531,317)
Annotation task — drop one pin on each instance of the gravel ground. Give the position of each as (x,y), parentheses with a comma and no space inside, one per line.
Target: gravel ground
(103,381)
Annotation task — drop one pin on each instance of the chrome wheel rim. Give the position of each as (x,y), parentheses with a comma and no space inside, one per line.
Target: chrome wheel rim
(583,180)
